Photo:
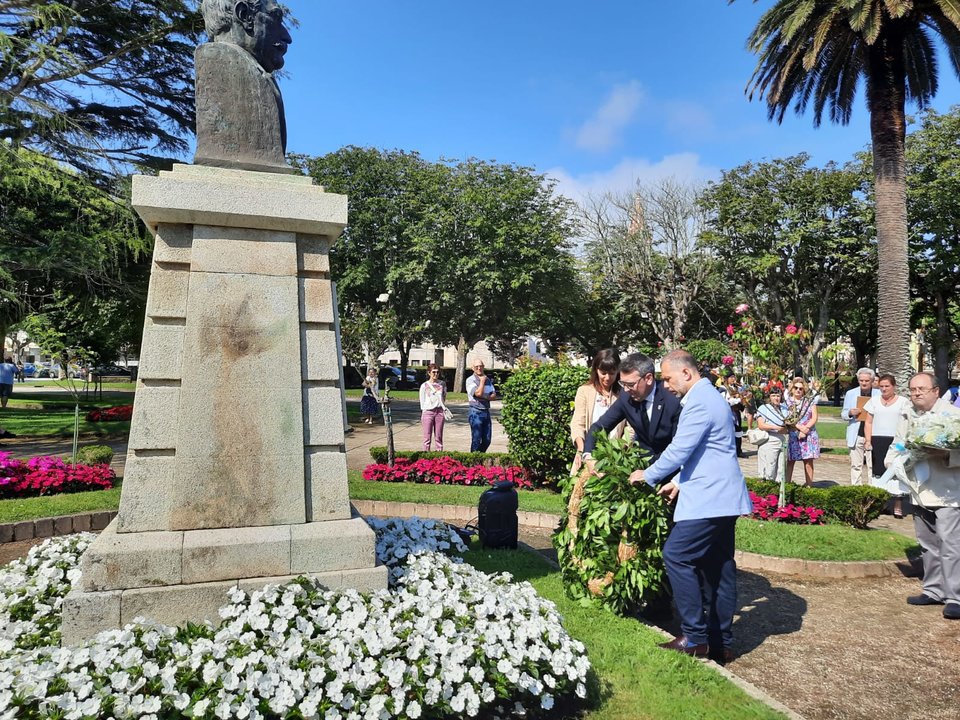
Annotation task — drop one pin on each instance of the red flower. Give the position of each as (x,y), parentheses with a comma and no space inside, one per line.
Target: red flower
(730,330)
(790,329)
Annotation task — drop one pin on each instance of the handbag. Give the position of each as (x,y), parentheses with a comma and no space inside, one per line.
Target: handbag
(447,415)
(756,436)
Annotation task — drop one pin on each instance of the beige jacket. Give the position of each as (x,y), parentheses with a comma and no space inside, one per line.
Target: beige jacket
(583,414)
(942,489)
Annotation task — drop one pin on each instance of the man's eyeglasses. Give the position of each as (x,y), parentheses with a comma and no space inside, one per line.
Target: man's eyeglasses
(920,391)
(627,385)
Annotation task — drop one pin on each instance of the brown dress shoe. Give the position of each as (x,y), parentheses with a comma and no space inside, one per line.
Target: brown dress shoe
(680,644)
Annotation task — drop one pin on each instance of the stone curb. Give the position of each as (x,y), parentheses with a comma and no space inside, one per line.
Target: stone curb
(49,527)
(745,560)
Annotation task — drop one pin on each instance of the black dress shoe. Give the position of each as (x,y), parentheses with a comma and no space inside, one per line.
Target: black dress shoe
(722,655)
(680,644)
(951,611)
(923,599)
(7,434)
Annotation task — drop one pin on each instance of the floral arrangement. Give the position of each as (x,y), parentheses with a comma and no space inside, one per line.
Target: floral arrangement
(935,430)
(447,641)
(445,471)
(766,508)
(110,414)
(49,475)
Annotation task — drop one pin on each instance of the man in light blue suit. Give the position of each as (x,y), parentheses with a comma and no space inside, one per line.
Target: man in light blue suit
(698,555)
(854,414)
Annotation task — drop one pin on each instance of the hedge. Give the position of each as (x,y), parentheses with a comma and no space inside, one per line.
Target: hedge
(95,455)
(855,505)
(537,407)
(379,455)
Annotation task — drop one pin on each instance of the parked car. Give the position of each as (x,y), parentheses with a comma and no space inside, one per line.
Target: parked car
(29,370)
(103,370)
(395,371)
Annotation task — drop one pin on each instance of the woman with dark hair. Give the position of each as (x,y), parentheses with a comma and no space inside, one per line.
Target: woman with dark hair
(882,415)
(593,399)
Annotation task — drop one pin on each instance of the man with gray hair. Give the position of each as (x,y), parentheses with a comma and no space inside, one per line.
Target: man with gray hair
(240,116)
(854,414)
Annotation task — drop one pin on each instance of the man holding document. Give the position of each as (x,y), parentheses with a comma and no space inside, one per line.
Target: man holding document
(853,412)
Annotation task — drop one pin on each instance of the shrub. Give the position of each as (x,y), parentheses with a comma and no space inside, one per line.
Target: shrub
(110,414)
(379,455)
(49,475)
(707,351)
(537,406)
(611,536)
(95,455)
(765,508)
(445,471)
(854,505)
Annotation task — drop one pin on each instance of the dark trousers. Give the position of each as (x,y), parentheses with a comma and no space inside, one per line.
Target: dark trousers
(698,557)
(481,429)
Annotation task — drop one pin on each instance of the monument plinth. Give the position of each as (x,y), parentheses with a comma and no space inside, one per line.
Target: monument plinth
(236,469)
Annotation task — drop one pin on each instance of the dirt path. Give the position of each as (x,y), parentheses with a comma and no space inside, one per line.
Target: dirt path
(840,649)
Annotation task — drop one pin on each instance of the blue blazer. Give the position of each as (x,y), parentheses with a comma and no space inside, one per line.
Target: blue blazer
(705,451)
(662,426)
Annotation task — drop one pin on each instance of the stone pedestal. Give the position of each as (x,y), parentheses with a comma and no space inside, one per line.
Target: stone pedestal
(236,469)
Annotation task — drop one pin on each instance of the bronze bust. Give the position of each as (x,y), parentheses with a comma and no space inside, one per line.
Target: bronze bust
(240,119)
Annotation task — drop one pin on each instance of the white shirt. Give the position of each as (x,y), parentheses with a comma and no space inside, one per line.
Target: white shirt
(885,417)
(648,402)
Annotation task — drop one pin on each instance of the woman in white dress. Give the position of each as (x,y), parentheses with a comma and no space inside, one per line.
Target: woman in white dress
(878,430)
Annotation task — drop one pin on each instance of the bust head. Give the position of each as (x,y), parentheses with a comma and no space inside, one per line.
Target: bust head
(255,25)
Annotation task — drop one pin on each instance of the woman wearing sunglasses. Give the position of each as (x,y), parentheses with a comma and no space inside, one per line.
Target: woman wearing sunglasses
(804,442)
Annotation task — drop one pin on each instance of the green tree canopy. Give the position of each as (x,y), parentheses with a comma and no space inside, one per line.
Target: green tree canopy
(933,195)
(59,235)
(90,82)
(817,51)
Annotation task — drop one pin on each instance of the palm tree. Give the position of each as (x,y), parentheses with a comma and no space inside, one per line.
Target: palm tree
(817,51)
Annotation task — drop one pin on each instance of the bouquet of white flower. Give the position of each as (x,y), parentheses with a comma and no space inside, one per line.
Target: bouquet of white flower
(937,431)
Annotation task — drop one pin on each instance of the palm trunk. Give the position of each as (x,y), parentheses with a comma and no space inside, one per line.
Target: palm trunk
(885,96)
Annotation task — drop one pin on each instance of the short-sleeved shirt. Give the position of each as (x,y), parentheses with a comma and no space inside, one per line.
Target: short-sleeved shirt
(885,417)
(479,403)
(7,372)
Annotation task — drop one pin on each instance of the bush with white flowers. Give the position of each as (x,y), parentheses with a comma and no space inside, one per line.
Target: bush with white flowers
(398,539)
(447,641)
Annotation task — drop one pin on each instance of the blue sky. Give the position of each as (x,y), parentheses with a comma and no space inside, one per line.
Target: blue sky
(594,94)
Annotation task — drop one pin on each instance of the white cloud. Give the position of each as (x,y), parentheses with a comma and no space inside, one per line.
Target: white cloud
(602,131)
(627,172)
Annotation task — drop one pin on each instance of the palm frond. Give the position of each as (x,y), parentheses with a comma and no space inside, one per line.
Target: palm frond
(920,67)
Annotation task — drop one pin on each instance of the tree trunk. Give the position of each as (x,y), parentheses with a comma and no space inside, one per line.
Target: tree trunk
(404,347)
(461,375)
(885,97)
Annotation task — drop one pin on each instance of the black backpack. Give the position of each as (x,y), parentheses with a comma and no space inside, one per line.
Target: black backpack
(498,523)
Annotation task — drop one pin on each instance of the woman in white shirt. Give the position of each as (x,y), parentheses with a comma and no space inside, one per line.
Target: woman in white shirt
(770,455)
(878,430)
(433,395)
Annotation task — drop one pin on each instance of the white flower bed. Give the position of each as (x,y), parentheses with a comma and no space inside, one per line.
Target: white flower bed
(448,641)
(398,539)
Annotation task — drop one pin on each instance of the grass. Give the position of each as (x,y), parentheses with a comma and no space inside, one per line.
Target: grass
(637,679)
(56,505)
(51,415)
(822,542)
(357,393)
(831,430)
(530,500)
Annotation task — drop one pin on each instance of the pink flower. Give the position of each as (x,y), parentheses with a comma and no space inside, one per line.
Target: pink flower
(790,329)
(727,359)
(741,308)
(730,330)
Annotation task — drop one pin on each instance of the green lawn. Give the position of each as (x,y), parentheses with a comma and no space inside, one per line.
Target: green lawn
(51,415)
(55,505)
(822,542)
(832,430)
(637,679)
(357,393)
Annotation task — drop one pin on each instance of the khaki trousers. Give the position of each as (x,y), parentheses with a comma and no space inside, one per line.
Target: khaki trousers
(861,464)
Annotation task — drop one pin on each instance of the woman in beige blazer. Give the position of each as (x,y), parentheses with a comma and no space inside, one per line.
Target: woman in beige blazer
(593,399)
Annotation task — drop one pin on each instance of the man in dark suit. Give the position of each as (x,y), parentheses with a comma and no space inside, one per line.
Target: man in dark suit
(650,410)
